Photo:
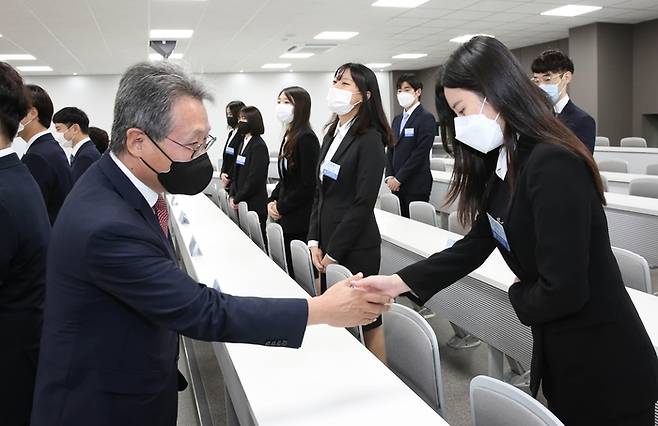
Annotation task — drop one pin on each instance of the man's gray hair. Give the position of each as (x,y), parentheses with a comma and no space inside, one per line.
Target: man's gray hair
(144,99)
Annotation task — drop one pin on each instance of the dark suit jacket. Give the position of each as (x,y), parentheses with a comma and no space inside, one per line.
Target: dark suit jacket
(579,122)
(409,159)
(24,233)
(250,180)
(228,160)
(590,347)
(85,157)
(296,187)
(50,168)
(113,314)
(342,218)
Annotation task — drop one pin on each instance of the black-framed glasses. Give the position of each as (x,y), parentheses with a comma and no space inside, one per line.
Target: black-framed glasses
(197,148)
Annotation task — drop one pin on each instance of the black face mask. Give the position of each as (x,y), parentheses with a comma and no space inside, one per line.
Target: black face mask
(231,121)
(243,128)
(184,177)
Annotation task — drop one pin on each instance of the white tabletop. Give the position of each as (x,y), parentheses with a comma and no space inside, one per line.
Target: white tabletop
(332,379)
(625,177)
(443,177)
(426,240)
(643,205)
(626,150)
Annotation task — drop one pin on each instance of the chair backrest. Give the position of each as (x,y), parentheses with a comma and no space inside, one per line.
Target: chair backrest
(302,266)
(243,209)
(214,193)
(412,353)
(633,142)
(390,203)
(652,169)
(336,273)
(255,231)
(496,403)
(232,213)
(618,166)
(437,164)
(454,225)
(423,211)
(604,182)
(634,269)
(644,187)
(223,200)
(601,141)
(276,245)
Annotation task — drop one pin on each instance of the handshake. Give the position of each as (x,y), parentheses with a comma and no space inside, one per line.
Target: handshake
(355,301)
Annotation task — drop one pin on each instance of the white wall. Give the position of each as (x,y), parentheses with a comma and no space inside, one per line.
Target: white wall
(95,96)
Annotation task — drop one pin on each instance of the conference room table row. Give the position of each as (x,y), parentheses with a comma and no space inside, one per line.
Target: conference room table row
(332,379)
(620,182)
(637,158)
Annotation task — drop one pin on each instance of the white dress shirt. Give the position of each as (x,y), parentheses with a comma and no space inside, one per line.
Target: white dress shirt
(409,112)
(78,145)
(559,106)
(6,151)
(149,195)
(247,138)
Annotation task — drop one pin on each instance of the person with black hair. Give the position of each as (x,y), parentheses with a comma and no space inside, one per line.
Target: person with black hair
(251,163)
(408,172)
(532,190)
(233,142)
(100,138)
(292,199)
(343,228)
(44,156)
(552,72)
(24,235)
(72,125)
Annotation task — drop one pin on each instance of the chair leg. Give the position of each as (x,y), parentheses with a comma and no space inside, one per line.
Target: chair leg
(462,339)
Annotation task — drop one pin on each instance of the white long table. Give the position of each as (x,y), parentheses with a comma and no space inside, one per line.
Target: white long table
(638,158)
(619,182)
(332,379)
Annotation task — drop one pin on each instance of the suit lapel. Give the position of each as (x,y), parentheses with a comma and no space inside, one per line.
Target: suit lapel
(409,123)
(344,144)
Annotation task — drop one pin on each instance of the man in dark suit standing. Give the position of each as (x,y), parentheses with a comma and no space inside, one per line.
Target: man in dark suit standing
(24,233)
(44,157)
(110,339)
(553,71)
(72,125)
(408,172)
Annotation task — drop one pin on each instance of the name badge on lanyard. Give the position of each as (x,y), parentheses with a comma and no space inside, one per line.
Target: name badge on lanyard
(240,160)
(408,133)
(498,232)
(330,169)
(229,150)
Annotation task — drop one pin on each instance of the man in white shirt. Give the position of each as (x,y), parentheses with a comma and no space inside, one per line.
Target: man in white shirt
(72,125)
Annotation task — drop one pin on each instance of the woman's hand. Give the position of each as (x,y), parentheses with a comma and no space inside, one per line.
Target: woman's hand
(272,211)
(326,261)
(316,257)
(231,204)
(225,180)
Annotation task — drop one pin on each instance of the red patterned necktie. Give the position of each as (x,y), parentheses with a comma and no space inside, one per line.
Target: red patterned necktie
(161,212)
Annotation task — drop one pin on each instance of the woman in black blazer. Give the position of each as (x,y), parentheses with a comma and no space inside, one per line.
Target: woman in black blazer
(251,163)
(539,200)
(292,199)
(343,228)
(233,142)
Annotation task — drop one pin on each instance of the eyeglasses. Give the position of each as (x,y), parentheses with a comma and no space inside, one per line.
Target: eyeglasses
(546,78)
(197,148)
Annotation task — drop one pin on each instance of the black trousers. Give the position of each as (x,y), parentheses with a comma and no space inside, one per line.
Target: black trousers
(641,418)
(405,199)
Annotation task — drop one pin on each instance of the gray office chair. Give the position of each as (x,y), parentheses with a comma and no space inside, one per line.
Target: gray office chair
(652,169)
(255,231)
(302,266)
(214,193)
(335,273)
(223,200)
(644,187)
(232,213)
(601,141)
(633,142)
(276,245)
(243,209)
(634,269)
(496,403)
(437,164)
(412,353)
(617,166)
(604,181)
(454,225)
(390,203)
(423,211)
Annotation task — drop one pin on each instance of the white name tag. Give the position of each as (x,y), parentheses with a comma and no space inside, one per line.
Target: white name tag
(240,160)
(330,169)
(229,150)
(408,132)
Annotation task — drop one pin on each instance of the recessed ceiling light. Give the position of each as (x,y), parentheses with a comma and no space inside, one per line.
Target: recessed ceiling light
(378,65)
(158,57)
(275,66)
(399,3)
(291,55)
(75,73)
(336,35)
(170,34)
(466,37)
(571,10)
(17,57)
(241,70)
(34,68)
(410,56)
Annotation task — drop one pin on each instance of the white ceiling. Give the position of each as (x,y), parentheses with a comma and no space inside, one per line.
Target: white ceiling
(106,36)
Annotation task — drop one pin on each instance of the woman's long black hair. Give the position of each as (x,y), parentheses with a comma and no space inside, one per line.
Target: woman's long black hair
(301,102)
(485,66)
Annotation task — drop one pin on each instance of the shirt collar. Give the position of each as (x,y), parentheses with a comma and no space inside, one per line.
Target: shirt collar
(78,145)
(37,136)
(149,195)
(342,129)
(559,106)
(412,109)
(6,151)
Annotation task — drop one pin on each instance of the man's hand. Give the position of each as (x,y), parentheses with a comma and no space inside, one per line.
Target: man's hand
(231,204)
(393,184)
(390,285)
(326,261)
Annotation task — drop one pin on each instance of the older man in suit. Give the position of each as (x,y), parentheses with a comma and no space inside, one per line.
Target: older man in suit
(112,318)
